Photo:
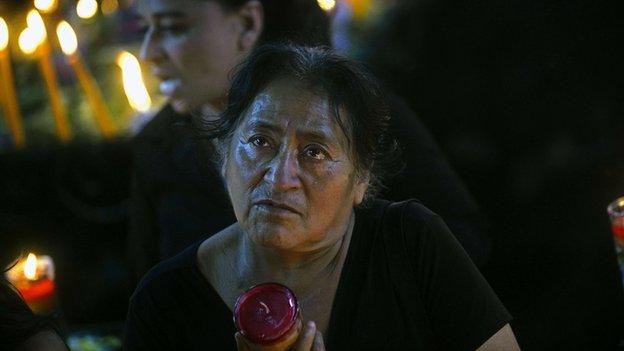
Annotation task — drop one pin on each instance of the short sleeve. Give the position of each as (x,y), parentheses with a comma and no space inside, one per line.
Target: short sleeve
(142,329)
(462,308)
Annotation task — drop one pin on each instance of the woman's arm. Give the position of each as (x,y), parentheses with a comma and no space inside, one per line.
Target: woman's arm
(504,339)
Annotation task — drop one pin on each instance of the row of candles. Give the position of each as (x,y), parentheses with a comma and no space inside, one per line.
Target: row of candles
(33,40)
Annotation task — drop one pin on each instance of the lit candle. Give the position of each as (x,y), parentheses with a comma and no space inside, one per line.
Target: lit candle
(9,99)
(46,6)
(133,84)
(69,45)
(42,48)
(86,9)
(34,279)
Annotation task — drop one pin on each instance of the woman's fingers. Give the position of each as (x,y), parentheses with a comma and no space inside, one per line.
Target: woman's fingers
(306,338)
(241,343)
(319,344)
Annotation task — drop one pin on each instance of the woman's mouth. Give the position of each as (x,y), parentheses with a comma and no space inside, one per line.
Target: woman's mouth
(169,87)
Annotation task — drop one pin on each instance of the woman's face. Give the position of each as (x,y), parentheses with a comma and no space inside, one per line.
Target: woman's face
(191,46)
(288,171)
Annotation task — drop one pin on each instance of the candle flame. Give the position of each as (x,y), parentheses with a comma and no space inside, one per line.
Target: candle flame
(67,38)
(327,5)
(4,34)
(86,8)
(35,21)
(28,41)
(133,84)
(30,267)
(46,6)
(109,6)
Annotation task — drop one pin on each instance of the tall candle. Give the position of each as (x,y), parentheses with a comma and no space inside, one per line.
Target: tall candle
(69,45)
(34,279)
(35,22)
(9,99)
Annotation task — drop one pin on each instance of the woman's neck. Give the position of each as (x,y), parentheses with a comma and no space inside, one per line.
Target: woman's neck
(298,270)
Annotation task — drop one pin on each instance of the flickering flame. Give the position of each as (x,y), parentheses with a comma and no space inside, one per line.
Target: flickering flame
(34,21)
(46,6)
(133,84)
(28,41)
(30,267)
(86,8)
(109,6)
(4,34)
(327,5)
(67,38)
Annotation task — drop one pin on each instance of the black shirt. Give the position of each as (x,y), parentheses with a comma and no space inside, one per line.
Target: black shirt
(450,308)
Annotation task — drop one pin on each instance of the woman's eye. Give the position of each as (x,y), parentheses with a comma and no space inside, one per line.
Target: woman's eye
(316,153)
(259,141)
(174,28)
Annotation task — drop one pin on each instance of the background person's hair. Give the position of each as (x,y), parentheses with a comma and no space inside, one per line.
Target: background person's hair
(300,21)
(346,84)
(17,322)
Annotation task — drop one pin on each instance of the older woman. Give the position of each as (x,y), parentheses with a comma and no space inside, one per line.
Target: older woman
(303,143)
(191,47)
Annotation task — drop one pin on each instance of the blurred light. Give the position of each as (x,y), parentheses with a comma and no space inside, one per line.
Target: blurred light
(109,6)
(28,41)
(4,34)
(46,6)
(327,5)
(35,22)
(67,38)
(30,267)
(86,8)
(133,84)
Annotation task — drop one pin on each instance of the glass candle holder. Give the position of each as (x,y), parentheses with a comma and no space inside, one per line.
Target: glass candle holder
(268,316)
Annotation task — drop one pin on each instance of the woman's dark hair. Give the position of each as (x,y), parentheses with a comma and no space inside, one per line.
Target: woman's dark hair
(347,85)
(299,21)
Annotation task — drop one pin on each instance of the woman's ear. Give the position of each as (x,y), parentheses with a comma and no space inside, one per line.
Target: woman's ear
(251,15)
(361,185)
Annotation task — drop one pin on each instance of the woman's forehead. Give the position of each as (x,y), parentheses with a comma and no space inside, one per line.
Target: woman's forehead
(286,105)
(167,8)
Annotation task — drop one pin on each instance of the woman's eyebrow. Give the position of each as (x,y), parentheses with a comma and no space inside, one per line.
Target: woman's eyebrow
(262,124)
(168,14)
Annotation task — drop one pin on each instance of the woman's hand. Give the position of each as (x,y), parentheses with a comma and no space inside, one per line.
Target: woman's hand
(309,339)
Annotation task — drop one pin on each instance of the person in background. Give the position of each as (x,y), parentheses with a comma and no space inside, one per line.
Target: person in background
(177,196)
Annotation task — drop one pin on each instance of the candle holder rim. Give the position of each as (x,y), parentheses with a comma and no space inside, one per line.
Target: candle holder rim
(616,208)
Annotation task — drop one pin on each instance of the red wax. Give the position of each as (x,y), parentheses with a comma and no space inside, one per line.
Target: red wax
(37,291)
(266,313)
(617,225)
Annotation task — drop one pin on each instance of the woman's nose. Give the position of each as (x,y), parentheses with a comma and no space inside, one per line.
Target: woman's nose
(283,173)
(150,48)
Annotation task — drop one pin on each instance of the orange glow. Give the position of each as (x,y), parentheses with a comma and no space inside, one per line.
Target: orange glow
(46,6)
(4,34)
(30,267)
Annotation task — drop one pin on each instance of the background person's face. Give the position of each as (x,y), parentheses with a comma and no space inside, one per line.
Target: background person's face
(288,172)
(192,46)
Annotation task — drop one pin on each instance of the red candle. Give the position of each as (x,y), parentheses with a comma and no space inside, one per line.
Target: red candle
(268,316)
(34,279)
(617,225)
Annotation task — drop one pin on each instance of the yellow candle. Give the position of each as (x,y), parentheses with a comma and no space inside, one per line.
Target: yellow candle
(9,99)
(133,84)
(35,23)
(69,45)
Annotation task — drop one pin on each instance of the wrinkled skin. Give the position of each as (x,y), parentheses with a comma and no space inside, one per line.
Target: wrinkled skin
(289,173)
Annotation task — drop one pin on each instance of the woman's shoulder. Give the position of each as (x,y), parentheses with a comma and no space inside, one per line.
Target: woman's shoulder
(169,275)
(411,210)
